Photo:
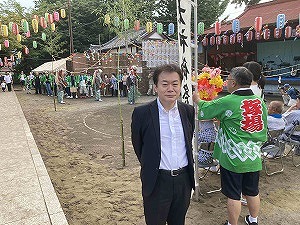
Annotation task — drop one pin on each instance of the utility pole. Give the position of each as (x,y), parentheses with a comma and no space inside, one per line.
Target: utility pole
(70,29)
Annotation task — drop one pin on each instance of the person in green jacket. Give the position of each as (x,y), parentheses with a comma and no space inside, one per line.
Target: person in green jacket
(243,129)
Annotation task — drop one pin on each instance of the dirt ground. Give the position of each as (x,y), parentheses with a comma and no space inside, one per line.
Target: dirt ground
(81,147)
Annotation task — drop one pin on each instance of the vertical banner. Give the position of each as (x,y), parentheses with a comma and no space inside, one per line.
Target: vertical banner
(184,46)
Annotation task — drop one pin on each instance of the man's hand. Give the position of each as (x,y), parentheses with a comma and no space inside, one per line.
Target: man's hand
(196,97)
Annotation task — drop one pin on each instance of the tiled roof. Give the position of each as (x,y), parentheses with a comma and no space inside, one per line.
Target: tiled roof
(268,11)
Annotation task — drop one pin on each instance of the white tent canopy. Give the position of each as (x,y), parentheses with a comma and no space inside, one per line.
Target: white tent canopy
(52,66)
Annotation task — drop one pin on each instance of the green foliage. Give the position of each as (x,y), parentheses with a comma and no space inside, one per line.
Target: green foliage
(247,2)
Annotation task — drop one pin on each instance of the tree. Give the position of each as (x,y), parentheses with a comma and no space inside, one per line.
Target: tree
(247,2)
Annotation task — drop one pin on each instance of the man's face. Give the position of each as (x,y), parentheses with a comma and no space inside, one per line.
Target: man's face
(230,84)
(168,87)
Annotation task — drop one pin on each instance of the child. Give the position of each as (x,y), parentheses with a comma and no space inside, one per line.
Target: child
(3,85)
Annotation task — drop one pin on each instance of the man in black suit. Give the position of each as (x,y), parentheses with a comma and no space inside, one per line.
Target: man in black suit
(161,134)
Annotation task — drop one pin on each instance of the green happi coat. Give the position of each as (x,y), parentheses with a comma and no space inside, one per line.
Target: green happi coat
(243,129)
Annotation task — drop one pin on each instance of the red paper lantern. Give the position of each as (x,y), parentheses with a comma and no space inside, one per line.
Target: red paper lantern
(239,38)
(257,35)
(205,41)
(277,33)
(56,16)
(217,28)
(232,39)
(43,22)
(225,40)
(50,18)
(249,35)
(28,34)
(15,29)
(137,25)
(26,50)
(288,32)
(258,24)
(298,31)
(267,34)
(218,40)
(212,40)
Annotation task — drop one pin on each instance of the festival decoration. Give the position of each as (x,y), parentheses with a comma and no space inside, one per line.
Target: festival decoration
(200,28)
(298,31)
(0,48)
(34,44)
(19,55)
(25,26)
(10,25)
(232,39)
(63,13)
(15,29)
(35,17)
(116,21)
(249,35)
(205,41)
(258,24)
(26,50)
(47,17)
(218,40)
(43,22)
(171,29)
(212,40)
(6,43)
(277,33)
(280,21)
(52,27)
(257,35)
(218,28)
(149,27)
(288,32)
(19,37)
(107,19)
(159,28)
(137,25)
(44,37)
(236,26)
(239,38)
(225,40)
(209,83)
(4,30)
(28,34)
(56,16)
(35,25)
(126,24)
(266,34)
(50,18)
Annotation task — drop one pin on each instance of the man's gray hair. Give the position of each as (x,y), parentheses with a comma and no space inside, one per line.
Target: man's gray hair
(242,76)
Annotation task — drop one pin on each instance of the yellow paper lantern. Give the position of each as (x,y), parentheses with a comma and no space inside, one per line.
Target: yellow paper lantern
(35,25)
(149,27)
(63,13)
(107,19)
(19,55)
(19,37)
(4,30)
(53,27)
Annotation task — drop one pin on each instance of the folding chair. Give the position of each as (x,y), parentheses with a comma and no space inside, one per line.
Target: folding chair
(272,152)
(292,139)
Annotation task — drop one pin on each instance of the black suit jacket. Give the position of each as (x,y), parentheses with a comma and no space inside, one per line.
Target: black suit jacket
(145,137)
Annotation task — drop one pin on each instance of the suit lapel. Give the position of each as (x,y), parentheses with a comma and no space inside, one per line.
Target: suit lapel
(184,121)
(155,119)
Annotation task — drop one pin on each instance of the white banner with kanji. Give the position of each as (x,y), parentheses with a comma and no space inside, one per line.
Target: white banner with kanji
(184,45)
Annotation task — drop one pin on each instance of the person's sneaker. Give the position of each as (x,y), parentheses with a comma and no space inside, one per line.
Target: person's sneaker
(247,221)
(226,223)
(100,100)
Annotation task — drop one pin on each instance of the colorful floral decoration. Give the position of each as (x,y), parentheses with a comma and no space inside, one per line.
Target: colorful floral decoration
(210,83)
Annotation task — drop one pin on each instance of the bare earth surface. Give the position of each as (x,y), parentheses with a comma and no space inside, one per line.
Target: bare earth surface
(81,147)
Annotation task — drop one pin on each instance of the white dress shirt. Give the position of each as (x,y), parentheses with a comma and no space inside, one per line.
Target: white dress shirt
(173,150)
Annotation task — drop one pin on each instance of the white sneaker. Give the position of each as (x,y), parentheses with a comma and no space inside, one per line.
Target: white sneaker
(100,100)
(62,102)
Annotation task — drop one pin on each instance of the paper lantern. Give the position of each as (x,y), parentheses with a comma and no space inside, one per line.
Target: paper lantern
(298,31)
(280,21)
(218,40)
(107,19)
(200,28)
(28,34)
(4,29)
(15,29)
(10,25)
(217,28)
(257,35)
(116,21)
(258,24)
(288,32)
(50,18)
(25,26)
(266,34)
(35,25)
(19,37)
(46,17)
(63,13)
(56,16)
(52,27)
(249,35)
(26,50)
(43,22)
(126,24)
(225,40)
(277,33)
(159,28)
(212,40)
(149,27)
(44,37)
(205,41)
(171,29)
(19,55)
(137,25)
(236,26)
(232,39)
(239,38)
(35,17)
(6,43)
(34,44)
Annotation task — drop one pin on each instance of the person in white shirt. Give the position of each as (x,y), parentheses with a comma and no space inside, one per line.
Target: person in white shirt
(275,119)
(8,81)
